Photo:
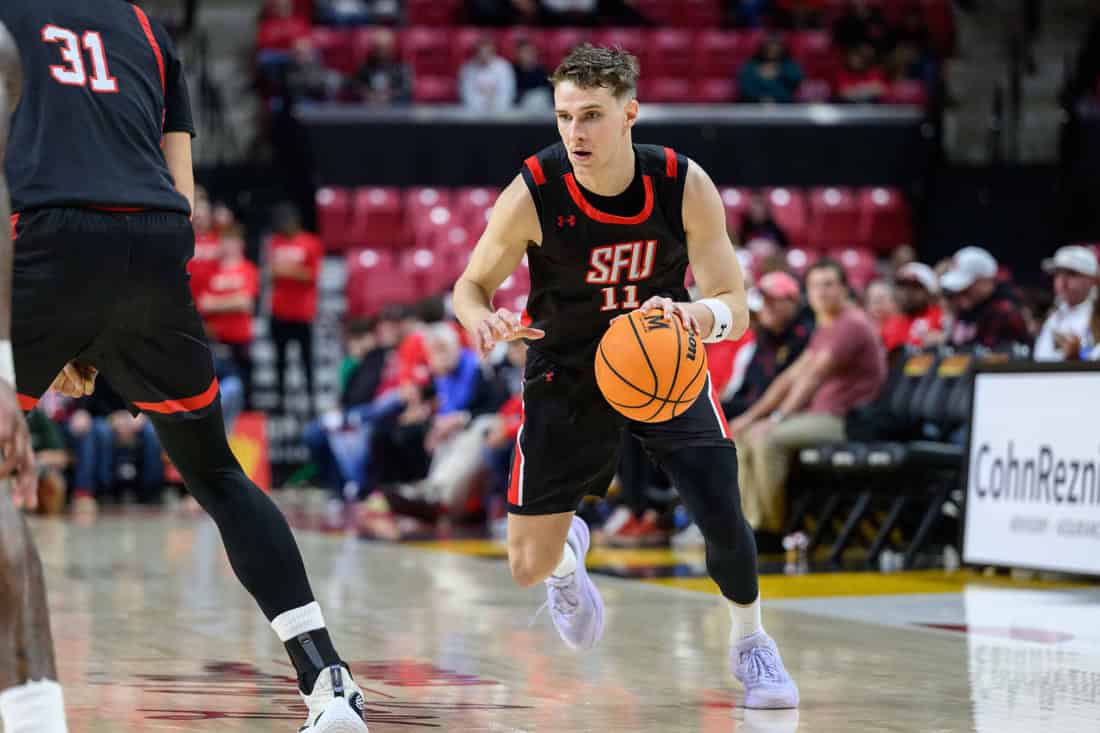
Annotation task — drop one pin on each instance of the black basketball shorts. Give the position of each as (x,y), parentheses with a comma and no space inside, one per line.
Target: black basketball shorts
(111,290)
(568,446)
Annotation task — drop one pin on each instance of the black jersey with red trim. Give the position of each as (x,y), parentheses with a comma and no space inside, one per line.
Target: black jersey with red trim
(596,260)
(101,84)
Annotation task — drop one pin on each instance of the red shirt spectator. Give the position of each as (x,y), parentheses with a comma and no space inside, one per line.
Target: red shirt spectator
(721,358)
(920,322)
(296,265)
(914,330)
(860,80)
(230,295)
(280,27)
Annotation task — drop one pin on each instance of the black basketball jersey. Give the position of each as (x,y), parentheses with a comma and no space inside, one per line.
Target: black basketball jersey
(101,84)
(593,265)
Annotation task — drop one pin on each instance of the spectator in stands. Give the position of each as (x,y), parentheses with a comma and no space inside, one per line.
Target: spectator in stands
(502,12)
(306,78)
(860,81)
(487,82)
(51,458)
(204,263)
(296,258)
(228,303)
(533,88)
(910,56)
(1067,334)
(383,78)
(771,75)
(920,322)
(862,24)
(783,327)
(280,28)
(349,12)
(880,303)
(984,312)
(843,367)
(370,342)
(758,223)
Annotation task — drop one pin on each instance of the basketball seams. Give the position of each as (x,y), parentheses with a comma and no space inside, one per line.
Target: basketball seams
(626,381)
(702,368)
(641,347)
(675,371)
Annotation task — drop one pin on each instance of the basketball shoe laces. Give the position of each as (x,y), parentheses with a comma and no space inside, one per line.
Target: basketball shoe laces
(563,600)
(762,665)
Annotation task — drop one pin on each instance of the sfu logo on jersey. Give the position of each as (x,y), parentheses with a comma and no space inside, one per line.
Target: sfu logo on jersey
(614,263)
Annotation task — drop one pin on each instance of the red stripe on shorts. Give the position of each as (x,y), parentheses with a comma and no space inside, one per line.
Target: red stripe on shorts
(187,404)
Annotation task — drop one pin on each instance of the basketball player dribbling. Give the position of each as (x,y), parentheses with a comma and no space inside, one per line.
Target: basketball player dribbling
(99,167)
(609,227)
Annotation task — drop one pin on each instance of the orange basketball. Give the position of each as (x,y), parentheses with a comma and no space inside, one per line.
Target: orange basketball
(650,369)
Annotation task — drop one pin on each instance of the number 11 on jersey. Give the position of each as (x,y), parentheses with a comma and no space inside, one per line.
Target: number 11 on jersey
(611,301)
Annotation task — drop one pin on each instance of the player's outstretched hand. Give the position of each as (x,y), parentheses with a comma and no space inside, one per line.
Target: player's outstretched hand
(15,445)
(75,380)
(671,308)
(502,325)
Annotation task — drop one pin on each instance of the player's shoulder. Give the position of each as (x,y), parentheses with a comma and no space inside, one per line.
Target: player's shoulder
(548,164)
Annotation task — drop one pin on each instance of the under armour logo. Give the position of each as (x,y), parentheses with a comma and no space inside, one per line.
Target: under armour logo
(549,376)
(563,220)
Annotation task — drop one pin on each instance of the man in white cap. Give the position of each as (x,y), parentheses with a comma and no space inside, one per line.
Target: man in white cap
(1067,332)
(920,322)
(986,312)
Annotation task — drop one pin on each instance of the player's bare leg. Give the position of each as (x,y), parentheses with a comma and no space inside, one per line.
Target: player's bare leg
(30,698)
(552,548)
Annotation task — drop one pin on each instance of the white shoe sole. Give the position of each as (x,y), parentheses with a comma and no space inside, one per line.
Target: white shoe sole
(339,718)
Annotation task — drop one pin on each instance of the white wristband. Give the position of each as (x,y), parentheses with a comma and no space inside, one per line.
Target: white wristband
(7,363)
(723,319)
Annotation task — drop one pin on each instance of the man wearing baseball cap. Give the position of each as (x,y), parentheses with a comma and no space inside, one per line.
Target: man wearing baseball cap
(783,326)
(986,312)
(1067,333)
(920,322)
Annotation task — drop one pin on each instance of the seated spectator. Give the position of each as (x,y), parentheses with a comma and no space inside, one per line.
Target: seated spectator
(487,83)
(52,459)
(758,224)
(771,75)
(383,78)
(910,55)
(1067,334)
(306,79)
(783,327)
(860,81)
(880,303)
(348,12)
(533,88)
(862,24)
(843,367)
(920,322)
(296,257)
(984,312)
(228,304)
(280,27)
(204,263)
(502,12)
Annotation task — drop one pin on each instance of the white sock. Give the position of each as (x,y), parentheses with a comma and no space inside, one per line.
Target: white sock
(298,621)
(746,620)
(34,707)
(568,563)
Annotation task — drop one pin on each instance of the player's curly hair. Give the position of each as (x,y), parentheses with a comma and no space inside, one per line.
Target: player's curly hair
(590,66)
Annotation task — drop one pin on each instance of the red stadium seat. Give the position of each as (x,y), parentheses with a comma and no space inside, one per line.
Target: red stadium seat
(333,217)
(560,42)
(813,50)
(835,218)
(509,38)
(859,264)
(884,221)
(377,218)
(472,206)
(715,91)
(736,201)
(659,12)
(670,51)
(799,260)
(375,282)
(453,246)
(512,293)
(335,48)
(428,50)
(907,92)
(424,229)
(420,200)
(719,54)
(700,13)
(435,89)
(426,270)
(665,89)
(629,39)
(788,208)
(433,12)
(814,90)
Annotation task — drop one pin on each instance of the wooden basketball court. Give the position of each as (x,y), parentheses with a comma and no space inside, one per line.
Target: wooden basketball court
(154,634)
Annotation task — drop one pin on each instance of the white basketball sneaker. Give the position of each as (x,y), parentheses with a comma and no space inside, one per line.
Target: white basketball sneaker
(336,704)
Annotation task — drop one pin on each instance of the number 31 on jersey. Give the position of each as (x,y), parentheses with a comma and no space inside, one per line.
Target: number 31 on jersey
(73,72)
